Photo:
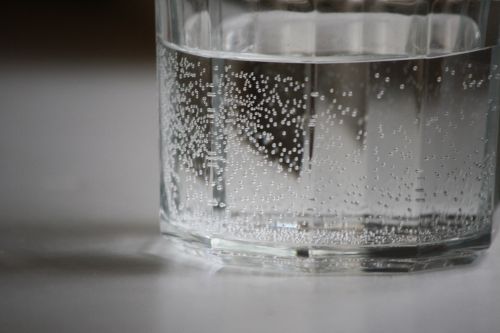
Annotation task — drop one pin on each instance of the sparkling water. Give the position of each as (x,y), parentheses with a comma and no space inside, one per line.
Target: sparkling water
(336,152)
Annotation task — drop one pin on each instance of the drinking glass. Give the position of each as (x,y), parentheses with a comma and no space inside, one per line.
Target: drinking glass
(329,135)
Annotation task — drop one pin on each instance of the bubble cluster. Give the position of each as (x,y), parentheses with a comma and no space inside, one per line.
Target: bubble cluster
(340,153)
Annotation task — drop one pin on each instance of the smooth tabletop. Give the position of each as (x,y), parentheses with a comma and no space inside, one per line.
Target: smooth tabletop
(126,278)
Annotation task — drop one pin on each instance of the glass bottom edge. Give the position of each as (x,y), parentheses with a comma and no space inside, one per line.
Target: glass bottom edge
(329,259)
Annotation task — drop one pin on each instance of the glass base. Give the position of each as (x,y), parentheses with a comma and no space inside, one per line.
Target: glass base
(324,259)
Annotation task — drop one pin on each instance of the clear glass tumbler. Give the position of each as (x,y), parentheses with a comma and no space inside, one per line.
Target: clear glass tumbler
(329,135)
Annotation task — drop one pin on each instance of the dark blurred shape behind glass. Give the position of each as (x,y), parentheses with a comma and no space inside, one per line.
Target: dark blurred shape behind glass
(78,112)
(77,29)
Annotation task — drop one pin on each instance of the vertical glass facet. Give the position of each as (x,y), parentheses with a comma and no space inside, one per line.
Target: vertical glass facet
(329,135)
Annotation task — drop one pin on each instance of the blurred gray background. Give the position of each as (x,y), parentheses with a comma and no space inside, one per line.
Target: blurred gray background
(78,118)
(78,112)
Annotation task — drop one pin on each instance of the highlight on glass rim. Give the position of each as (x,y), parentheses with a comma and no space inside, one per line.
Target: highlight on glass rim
(321,135)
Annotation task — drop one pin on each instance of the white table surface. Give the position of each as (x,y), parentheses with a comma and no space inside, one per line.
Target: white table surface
(80,249)
(125,278)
